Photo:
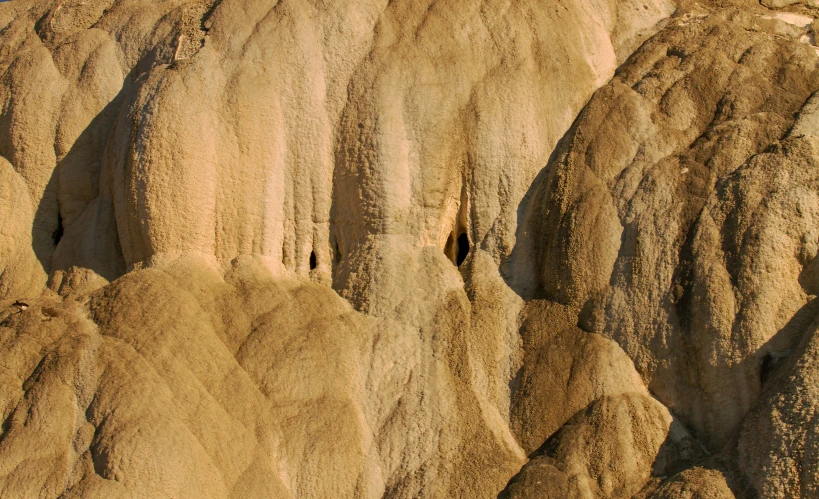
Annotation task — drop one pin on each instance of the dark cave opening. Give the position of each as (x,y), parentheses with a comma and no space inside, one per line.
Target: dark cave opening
(457,249)
(312,260)
(463,249)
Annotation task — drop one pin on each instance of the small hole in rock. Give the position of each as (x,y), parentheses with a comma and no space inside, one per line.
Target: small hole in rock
(58,232)
(463,249)
(312,260)
(336,253)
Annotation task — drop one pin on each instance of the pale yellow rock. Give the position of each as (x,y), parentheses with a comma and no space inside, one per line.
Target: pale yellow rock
(407,249)
(20,273)
(694,483)
(609,449)
(564,370)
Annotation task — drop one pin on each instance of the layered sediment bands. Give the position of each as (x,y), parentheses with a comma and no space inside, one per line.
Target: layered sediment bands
(407,249)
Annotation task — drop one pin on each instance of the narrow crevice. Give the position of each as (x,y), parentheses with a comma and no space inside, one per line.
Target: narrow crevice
(462,249)
(765,368)
(42,28)
(336,253)
(32,379)
(206,21)
(312,260)
(514,384)
(99,458)
(58,232)
(6,426)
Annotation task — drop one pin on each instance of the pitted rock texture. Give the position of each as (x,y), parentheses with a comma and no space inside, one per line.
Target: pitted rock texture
(669,202)
(408,249)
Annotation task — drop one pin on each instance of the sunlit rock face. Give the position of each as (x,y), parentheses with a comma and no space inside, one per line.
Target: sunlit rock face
(401,249)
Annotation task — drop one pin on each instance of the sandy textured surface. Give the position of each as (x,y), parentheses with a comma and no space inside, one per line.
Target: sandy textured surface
(409,249)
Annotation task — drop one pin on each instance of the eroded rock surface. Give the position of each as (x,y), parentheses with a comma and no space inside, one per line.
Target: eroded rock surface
(678,217)
(401,249)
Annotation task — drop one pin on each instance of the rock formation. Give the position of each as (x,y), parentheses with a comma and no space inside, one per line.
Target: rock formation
(409,248)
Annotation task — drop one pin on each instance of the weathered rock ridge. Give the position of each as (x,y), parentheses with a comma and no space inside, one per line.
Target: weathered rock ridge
(400,249)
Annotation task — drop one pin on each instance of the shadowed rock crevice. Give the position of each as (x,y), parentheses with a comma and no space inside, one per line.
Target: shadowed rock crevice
(462,249)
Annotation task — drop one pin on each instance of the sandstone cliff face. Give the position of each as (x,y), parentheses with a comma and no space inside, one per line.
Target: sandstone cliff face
(675,219)
(408,248)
